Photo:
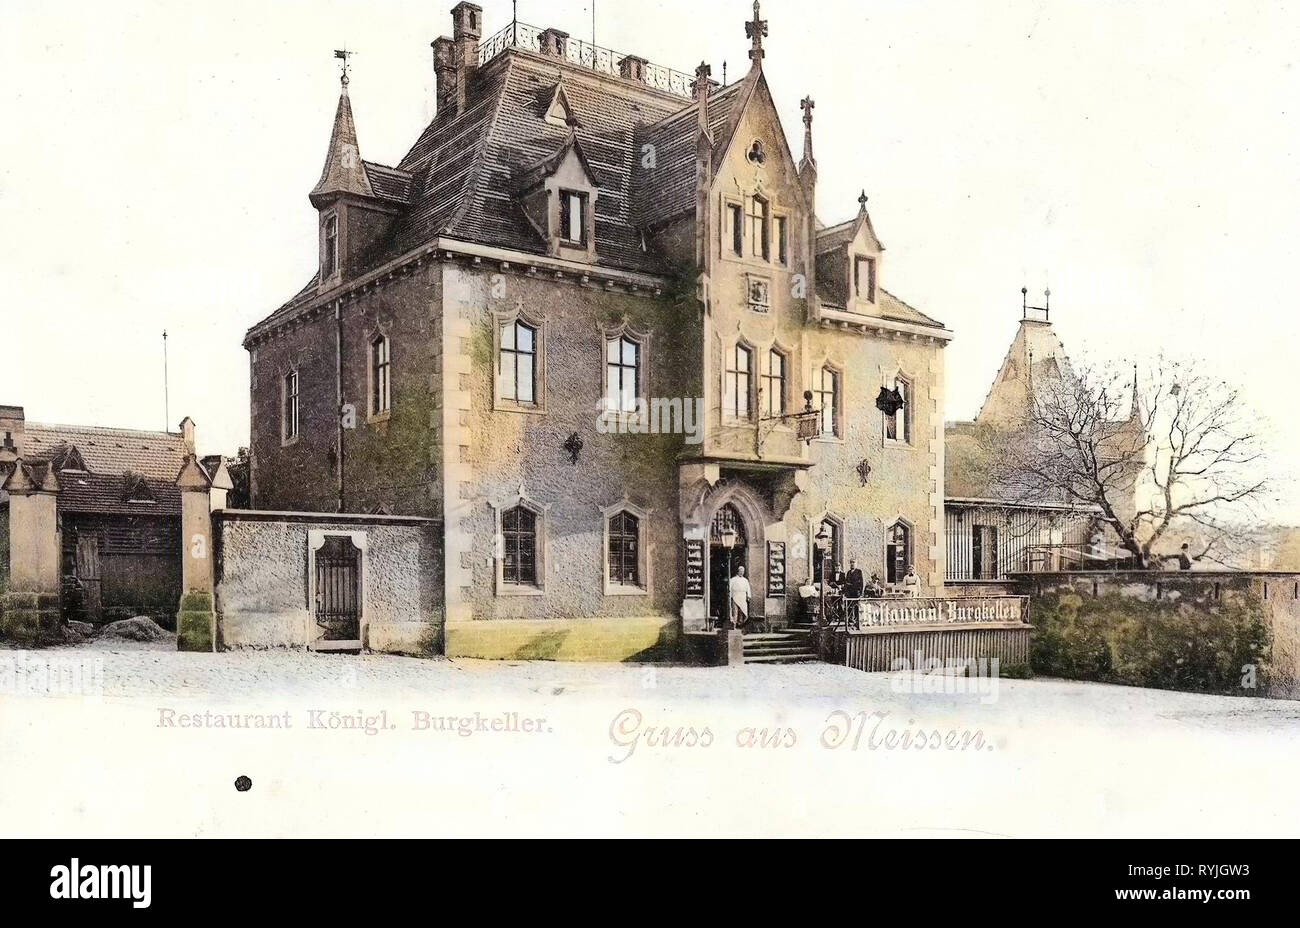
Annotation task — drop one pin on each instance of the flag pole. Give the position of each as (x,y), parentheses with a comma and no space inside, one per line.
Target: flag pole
(167,399)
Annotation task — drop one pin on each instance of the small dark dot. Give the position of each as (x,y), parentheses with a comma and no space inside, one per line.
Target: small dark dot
(243,784)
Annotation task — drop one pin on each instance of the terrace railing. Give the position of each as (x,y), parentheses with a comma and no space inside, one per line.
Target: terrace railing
(586,55)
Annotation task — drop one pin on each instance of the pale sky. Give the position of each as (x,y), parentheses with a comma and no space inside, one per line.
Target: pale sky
(1138,157)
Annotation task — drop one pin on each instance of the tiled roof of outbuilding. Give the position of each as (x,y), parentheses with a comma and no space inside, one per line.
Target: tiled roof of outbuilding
(109,454)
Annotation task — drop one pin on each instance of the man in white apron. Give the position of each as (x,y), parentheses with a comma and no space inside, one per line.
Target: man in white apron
(740,593)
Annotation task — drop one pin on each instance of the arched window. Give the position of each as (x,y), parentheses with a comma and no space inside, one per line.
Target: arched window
(898,552)
(622,374)
(517,364)
(624,550)
(774,384)
(290,406)
(826,397)
(738,383)
(519,539)
(381,399)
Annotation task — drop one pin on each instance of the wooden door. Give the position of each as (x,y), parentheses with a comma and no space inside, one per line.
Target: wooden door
(90,577)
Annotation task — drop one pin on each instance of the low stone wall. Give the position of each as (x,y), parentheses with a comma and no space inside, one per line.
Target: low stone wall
(263,570)
(1196,596)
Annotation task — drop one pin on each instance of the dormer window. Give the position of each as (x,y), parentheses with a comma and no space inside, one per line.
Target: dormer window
(330,257)
(573,218)
(864,278)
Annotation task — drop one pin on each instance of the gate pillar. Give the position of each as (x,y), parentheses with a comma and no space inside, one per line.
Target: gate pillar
(196,618)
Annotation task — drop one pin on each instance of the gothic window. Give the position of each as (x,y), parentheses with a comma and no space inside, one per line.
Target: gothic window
(290,412)
(381,398)
(622,374)
(774,384)
(782,240)
(738,383)
(898,552)
(898,427)
(573,218)
(737,217)
(624,550)
(519,541)
(826,397)
(760,230)
(517,364)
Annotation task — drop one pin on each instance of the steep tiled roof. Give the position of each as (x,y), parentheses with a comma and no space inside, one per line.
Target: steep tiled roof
(668,191)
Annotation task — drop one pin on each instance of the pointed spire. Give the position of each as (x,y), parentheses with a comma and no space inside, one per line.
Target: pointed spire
(1135,408)
(343,171)
(808,105)
(756,31)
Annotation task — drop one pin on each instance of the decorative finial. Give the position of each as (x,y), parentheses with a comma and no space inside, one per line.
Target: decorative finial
(808,106)
(344,54)
(755,31)
(862,200)
(702,75)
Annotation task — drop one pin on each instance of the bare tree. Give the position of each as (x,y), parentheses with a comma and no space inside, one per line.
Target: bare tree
(1177,455)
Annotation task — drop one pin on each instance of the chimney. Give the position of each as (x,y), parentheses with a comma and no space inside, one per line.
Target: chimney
(446,72)
(632,68)
(554,43)
(12,420)
(467,29)
(187,434)
(455,58)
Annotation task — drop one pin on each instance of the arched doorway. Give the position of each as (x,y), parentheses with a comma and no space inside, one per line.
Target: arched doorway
(728,549)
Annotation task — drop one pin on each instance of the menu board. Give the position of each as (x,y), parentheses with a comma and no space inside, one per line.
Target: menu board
(776,568)
(694,568)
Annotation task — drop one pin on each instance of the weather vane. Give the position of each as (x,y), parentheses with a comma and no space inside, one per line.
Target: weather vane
(344,54)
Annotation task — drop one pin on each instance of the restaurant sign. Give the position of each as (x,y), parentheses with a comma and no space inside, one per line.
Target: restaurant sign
(982,610)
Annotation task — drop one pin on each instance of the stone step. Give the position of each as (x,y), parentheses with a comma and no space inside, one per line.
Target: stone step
(805,658)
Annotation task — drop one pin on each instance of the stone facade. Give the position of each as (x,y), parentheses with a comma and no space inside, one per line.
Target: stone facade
(651,185)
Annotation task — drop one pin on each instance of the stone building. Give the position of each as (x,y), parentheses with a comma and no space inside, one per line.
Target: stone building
(992,529)
(90,517)
(582,322)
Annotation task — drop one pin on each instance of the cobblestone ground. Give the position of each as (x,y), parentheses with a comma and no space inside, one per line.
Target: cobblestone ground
(156,670)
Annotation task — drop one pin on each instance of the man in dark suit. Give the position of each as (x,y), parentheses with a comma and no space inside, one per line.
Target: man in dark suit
(853,586)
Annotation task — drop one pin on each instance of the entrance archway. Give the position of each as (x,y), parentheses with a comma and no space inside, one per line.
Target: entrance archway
(728,549)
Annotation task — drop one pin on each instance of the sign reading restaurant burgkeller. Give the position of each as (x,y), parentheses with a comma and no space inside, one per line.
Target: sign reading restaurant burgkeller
(896,613)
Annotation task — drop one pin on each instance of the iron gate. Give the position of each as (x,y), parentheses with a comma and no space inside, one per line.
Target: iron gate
(338,589)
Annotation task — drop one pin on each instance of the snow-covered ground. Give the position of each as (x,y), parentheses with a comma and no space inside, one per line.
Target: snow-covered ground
(380,745)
